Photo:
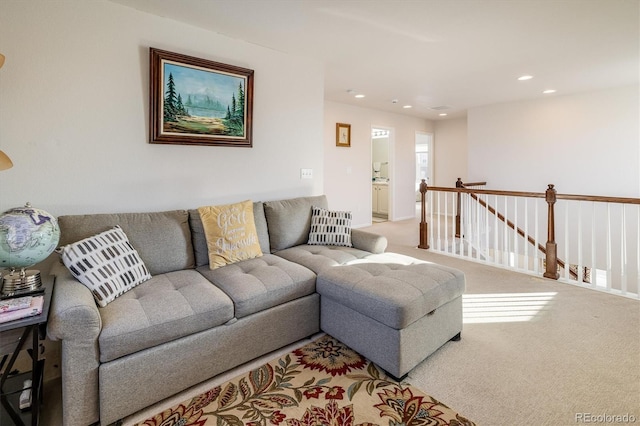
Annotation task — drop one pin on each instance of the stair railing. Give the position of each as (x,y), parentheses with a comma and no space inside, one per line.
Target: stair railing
(552,261)
(604,256)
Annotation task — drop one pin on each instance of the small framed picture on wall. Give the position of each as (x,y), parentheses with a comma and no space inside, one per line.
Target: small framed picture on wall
(343,134)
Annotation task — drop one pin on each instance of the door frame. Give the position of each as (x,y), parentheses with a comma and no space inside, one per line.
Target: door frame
(431,156)
(392,132)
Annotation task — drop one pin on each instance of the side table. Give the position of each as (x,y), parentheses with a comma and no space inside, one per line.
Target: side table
(18,331)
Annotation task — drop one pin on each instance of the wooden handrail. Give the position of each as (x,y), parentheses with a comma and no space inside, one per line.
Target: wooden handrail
(550,196)
(570,197)
(598,199)
(489,192)
(468,184)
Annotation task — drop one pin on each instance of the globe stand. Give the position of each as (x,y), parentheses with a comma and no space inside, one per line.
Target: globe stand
(22,282)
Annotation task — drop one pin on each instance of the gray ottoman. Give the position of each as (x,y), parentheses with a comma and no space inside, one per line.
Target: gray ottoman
(394,314)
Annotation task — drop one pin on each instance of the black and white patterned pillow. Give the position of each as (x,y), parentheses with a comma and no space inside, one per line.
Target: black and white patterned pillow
(330,228)
(106,263)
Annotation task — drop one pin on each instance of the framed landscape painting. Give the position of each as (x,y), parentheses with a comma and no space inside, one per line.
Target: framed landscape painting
(199,102)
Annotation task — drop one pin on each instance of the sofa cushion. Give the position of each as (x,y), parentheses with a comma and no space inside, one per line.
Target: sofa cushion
(330,228)
(105,263)
(258,284)
(289,220)
(230,232)
(163,239)
(318,258)
(165,308)
(200,248)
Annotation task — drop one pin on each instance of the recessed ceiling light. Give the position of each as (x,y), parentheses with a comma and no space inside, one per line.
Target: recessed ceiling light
(546,92)
(444,114)
(525,77)
(359,95)
(406,106)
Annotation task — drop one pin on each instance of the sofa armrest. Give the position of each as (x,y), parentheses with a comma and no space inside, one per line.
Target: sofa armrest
(74,319)
(368,241)
(74,314)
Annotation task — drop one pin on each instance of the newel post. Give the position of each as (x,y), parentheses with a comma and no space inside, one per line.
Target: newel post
(424,227)
(459,184)
(551,270)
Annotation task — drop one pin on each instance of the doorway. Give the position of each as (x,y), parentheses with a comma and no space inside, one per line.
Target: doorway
(424,162)
(380,173)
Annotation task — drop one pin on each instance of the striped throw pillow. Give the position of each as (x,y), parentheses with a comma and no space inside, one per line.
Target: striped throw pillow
(106,263)
(330,228)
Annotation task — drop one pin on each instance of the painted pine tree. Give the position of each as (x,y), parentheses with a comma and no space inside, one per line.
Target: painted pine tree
(170,100)
(235,113)
(173,106)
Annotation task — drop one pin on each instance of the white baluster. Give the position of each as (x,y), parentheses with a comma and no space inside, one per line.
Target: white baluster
(446,224)
(431,222)
(623,251)
(478,212)
(536,254)
(515,233)
(505,236)
(594,264)
(497,234)
(488,258)
(526,234)
(567,265)
(638,252)
(609,247)
(580,276)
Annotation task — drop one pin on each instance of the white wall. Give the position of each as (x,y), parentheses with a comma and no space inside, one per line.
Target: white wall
(347,180)
(74,95)
(450,152)
(584,144)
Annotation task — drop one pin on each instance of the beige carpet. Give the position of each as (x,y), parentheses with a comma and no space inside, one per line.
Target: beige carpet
(533,351)
(564,355)
(321,383)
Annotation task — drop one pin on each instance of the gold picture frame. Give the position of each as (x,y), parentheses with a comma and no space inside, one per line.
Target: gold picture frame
(343,134)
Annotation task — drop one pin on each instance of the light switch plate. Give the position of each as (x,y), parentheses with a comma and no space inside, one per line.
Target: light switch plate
(306,173)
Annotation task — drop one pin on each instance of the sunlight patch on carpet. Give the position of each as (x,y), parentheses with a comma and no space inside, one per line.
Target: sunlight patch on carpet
(504,307)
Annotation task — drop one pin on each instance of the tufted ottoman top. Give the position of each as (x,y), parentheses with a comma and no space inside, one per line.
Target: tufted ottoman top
(392,293)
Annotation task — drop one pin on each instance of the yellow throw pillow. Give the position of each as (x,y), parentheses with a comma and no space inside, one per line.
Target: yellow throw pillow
(231,233)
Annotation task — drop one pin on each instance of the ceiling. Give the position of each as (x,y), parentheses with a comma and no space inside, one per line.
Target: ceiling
(439,56)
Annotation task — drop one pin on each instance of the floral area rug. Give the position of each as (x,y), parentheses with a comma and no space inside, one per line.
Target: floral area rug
(322,383)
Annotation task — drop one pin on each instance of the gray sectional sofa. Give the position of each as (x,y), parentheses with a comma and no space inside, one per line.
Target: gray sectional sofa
(189,323)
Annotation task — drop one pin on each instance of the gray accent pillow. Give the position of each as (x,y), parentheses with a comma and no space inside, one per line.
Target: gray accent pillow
(289,221)
(162,239)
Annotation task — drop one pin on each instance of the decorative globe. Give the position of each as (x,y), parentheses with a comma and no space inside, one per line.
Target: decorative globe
(27,236)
